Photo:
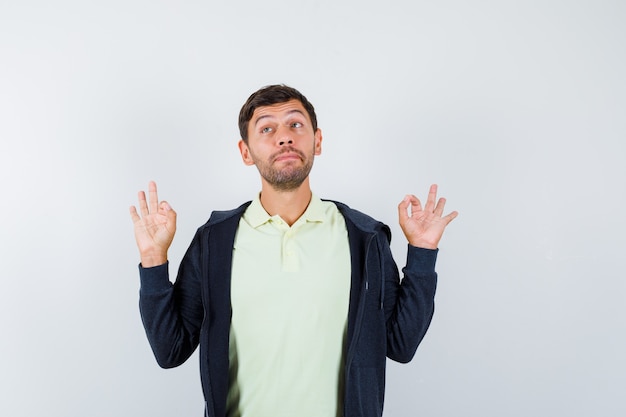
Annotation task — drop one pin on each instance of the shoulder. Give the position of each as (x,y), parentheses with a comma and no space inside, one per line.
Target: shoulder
(221,216)
(361,220)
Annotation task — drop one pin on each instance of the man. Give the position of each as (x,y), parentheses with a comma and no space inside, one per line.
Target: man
(295,302)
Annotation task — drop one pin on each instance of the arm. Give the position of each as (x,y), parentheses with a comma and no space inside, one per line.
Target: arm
(410,303)
(171,314)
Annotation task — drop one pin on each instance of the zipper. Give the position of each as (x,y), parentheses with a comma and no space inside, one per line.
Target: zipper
(204,365)
(359,319)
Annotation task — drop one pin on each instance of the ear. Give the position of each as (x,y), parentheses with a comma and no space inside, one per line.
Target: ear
(318,142)
(245,153)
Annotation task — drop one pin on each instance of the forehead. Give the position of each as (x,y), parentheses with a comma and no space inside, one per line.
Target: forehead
(279,110)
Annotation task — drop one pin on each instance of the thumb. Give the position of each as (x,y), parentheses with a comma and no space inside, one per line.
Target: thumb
(167,210)
(165,206)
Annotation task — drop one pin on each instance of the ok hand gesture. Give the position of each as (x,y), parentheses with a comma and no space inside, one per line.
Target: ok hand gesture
(424,227)
(154,229)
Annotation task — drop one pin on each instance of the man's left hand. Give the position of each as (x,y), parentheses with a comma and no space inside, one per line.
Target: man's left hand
(423,228)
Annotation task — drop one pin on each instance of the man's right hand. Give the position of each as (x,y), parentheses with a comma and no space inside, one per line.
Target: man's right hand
(154,229)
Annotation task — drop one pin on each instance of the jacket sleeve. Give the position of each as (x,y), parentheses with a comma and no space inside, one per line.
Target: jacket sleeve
(409,304)
(172,314)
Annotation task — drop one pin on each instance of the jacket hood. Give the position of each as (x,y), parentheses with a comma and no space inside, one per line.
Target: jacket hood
(361,220)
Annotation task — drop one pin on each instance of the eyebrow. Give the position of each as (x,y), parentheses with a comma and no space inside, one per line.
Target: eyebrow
(265,116)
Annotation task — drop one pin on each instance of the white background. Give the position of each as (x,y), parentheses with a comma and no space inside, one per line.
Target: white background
(515,108)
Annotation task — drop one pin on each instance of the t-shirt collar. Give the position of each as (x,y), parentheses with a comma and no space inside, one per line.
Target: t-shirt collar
(256,215)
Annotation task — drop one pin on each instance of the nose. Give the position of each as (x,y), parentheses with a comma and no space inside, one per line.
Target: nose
(284,137)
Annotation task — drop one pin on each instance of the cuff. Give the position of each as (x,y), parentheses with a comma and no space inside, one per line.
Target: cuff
(155,278)
(420,259)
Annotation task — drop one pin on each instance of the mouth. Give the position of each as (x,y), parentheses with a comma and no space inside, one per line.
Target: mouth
(288,155)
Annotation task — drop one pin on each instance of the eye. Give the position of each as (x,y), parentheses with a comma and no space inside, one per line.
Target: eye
(266,130)
(296,124)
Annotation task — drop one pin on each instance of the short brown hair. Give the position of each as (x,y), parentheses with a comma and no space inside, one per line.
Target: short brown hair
(267,96)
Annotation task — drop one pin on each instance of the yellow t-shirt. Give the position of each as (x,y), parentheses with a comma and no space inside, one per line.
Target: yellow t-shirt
(289,294)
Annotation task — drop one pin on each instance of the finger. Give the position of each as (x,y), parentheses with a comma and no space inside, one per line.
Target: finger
(133,214)
(171,217)
(164,207)
(143,205)
(416,204)
(403,215)
(447,219)
(154,198)
(440,206)
(432,196)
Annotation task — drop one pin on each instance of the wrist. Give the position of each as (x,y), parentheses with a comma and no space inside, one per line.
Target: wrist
(153,259)
(424,245)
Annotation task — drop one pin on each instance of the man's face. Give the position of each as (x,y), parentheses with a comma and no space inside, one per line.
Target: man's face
(282,144)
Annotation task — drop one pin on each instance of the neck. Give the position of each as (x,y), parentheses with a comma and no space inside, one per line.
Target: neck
(289,205)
